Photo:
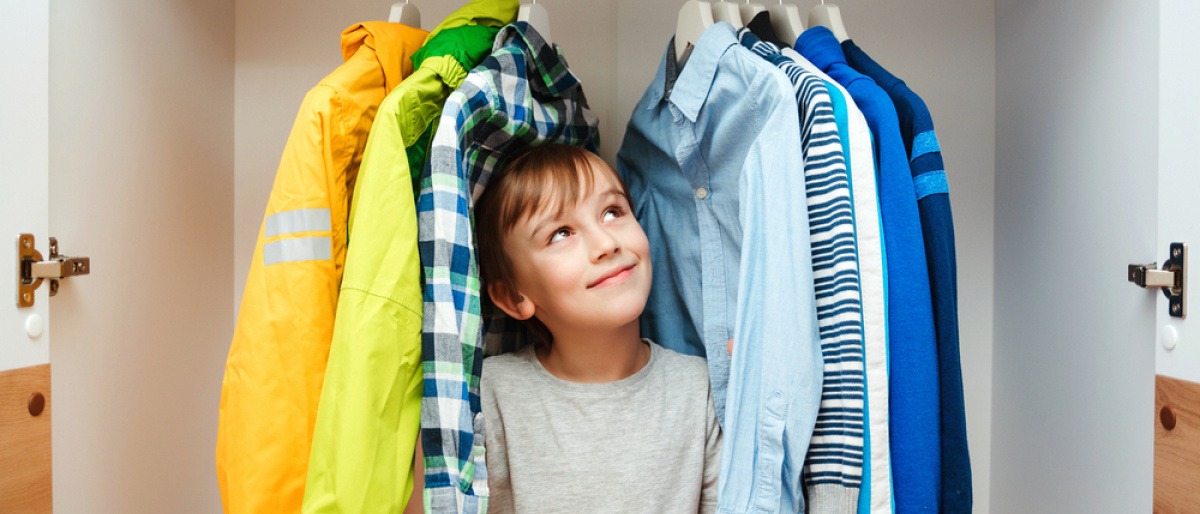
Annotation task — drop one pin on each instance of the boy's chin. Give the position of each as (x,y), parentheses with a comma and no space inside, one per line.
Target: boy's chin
(615,320)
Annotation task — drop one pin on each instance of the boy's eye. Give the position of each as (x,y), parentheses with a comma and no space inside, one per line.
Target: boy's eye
(560,234)
(612,213)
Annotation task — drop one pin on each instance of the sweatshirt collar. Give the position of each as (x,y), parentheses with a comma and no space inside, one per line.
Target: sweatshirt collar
(820,47)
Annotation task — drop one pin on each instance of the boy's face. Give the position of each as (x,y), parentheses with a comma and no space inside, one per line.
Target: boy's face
(587,269)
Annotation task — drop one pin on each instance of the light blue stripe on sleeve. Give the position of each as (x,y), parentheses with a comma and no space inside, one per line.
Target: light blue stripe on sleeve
(299,249)
(298,220)
(923,143)
(931,183)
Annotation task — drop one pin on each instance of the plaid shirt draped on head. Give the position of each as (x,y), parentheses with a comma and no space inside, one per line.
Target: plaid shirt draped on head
(521,96)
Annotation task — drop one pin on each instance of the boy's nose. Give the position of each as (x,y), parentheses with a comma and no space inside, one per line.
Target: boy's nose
(605,245)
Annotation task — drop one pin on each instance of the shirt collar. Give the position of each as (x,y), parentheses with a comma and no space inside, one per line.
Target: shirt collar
(821,47)
(687,89)
(548,73)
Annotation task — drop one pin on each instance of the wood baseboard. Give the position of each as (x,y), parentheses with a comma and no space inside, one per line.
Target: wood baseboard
(1176,450)
(25,476)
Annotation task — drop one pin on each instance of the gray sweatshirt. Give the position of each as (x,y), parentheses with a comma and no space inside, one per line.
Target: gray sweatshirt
(647,443)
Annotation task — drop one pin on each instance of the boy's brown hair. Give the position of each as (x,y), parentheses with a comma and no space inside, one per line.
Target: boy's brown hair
(547,178)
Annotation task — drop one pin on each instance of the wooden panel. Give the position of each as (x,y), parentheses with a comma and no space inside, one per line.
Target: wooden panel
(25,478)
(1176,451)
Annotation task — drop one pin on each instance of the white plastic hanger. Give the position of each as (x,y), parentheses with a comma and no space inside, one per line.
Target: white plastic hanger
(749,10)
(694,18)
(785,19)
(538,18)
(727,12)
(828,16)
(405,13)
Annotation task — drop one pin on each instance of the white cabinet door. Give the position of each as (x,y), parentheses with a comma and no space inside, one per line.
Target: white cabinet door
(25,466)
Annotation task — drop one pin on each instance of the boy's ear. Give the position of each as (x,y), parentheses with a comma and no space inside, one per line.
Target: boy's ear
(511,301)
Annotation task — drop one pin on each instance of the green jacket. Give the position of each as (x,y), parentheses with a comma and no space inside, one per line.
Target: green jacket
(370,409)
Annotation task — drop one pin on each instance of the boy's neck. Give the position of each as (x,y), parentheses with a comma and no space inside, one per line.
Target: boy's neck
(596,356)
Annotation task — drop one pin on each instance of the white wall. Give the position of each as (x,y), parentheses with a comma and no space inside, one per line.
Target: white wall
(1077,113)
(141,176)
(944,49)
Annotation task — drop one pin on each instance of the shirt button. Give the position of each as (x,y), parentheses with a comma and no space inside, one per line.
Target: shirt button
(701,193)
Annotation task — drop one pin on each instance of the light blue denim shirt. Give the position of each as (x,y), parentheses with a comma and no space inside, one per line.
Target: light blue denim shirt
(712,160)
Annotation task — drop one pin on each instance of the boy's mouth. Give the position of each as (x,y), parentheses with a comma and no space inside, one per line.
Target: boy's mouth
(615,276)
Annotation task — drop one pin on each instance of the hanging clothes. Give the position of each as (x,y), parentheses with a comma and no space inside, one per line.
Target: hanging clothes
(521,96)
(276,364)
(369,415)
(834,463)
(875,495)
(715,188)
(937,225)
(912,351)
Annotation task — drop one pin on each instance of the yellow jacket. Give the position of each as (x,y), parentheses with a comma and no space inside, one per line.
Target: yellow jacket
(276,364)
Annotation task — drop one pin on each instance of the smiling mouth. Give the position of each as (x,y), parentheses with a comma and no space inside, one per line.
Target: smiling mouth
(614,278)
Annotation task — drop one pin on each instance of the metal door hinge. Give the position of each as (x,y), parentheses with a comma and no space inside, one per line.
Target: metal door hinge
(32,270)
(1172,278)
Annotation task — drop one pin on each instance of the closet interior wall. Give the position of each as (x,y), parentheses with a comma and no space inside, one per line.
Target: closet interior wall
(944,49)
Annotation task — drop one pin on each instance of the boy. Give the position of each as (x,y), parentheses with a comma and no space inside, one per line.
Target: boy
(591,418)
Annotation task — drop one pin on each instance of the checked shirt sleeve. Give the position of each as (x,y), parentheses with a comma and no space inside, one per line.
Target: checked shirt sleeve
(449,335)
(521,96)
